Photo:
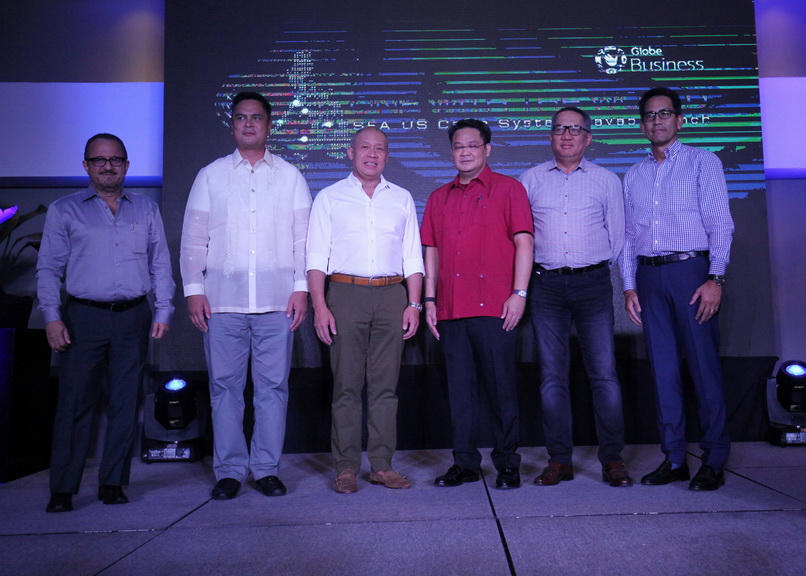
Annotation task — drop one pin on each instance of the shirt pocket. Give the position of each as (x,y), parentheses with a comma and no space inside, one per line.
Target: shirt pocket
(138,239)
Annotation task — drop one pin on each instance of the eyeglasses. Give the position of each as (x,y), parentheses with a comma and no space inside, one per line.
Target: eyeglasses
(100,161)
(471,147)
(663,114)
(575,130)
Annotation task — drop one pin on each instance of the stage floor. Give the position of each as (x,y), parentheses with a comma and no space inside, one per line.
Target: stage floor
(754,525)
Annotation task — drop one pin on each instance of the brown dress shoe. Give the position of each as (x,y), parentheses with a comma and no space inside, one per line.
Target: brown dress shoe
(555,473)
(345,482)
(616,474)
(390,479)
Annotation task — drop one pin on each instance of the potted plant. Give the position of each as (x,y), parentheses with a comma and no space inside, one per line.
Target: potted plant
(15,310)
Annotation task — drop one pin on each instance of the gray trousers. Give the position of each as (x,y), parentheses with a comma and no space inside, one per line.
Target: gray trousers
(228,345)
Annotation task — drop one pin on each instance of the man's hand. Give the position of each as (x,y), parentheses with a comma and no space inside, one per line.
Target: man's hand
(632,306)
(710,296)
(431,318)
(325,324)
(298,308)
(512,312)
(411,320)
(199,311)
(58,336)
(159,329)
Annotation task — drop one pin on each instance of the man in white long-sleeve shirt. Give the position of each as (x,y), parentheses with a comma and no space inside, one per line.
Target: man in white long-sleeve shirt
(243,269)
(363,234)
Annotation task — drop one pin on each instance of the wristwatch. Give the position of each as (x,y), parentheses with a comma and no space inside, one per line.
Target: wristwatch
(718,279)
(417,306)
(521,293)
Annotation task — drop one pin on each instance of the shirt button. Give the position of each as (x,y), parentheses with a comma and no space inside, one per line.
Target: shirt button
(482,304)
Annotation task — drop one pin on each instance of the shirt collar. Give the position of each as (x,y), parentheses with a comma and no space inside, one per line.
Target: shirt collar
(237,159)
(356,183)
(90,193)
(484,178)
(583,165)
(671,151)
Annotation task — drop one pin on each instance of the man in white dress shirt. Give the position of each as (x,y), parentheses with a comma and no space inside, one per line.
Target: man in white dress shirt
(363,236)
(243,269)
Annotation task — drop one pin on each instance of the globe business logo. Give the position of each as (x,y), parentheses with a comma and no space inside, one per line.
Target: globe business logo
(611,59)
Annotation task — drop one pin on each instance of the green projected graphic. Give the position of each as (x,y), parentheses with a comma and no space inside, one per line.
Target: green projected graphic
(421,81)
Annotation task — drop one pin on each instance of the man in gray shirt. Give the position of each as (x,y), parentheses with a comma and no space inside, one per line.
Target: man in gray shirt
(107,247)
(578,212)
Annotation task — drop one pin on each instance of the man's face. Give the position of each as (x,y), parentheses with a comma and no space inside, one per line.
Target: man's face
(658,131)
(469,153)
(369,154)
(250,125)
(566,147)
(107,178)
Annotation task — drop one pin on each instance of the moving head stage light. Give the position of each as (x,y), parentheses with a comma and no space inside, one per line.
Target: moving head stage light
(174,422)
(786,404)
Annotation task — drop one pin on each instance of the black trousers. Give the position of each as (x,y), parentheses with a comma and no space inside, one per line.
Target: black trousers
(107,355)
(480,359)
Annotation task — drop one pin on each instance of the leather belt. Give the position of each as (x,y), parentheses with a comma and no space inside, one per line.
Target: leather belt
(364,281)
(569,271)
(115,306)
(669,258)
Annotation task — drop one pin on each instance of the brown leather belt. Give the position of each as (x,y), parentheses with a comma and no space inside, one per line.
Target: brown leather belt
(364,281)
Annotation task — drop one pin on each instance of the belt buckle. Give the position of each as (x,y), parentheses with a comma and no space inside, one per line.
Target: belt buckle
(371,281)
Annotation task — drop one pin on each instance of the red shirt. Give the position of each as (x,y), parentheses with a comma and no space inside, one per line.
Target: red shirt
(473,226)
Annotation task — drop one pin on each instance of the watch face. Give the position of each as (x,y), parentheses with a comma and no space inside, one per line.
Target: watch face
(521,293)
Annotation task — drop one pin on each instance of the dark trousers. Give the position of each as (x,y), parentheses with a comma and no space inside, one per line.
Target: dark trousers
(107,353)
(585,299)
(480,359)
(671,332)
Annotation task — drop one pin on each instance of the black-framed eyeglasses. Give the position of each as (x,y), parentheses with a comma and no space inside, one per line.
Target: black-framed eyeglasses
(574,130)
(462,147)
(663,114)
(100,161)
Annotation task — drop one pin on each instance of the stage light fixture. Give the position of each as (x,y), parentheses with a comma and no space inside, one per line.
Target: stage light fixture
(175,421)
(175,404)
(791,380)
(786,404)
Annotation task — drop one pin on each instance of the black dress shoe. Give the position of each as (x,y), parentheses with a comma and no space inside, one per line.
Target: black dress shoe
(707,479)
(456,476)
(60,502)
(508,478)
(271,486)
(226,489)
(111,494)
(664,474)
